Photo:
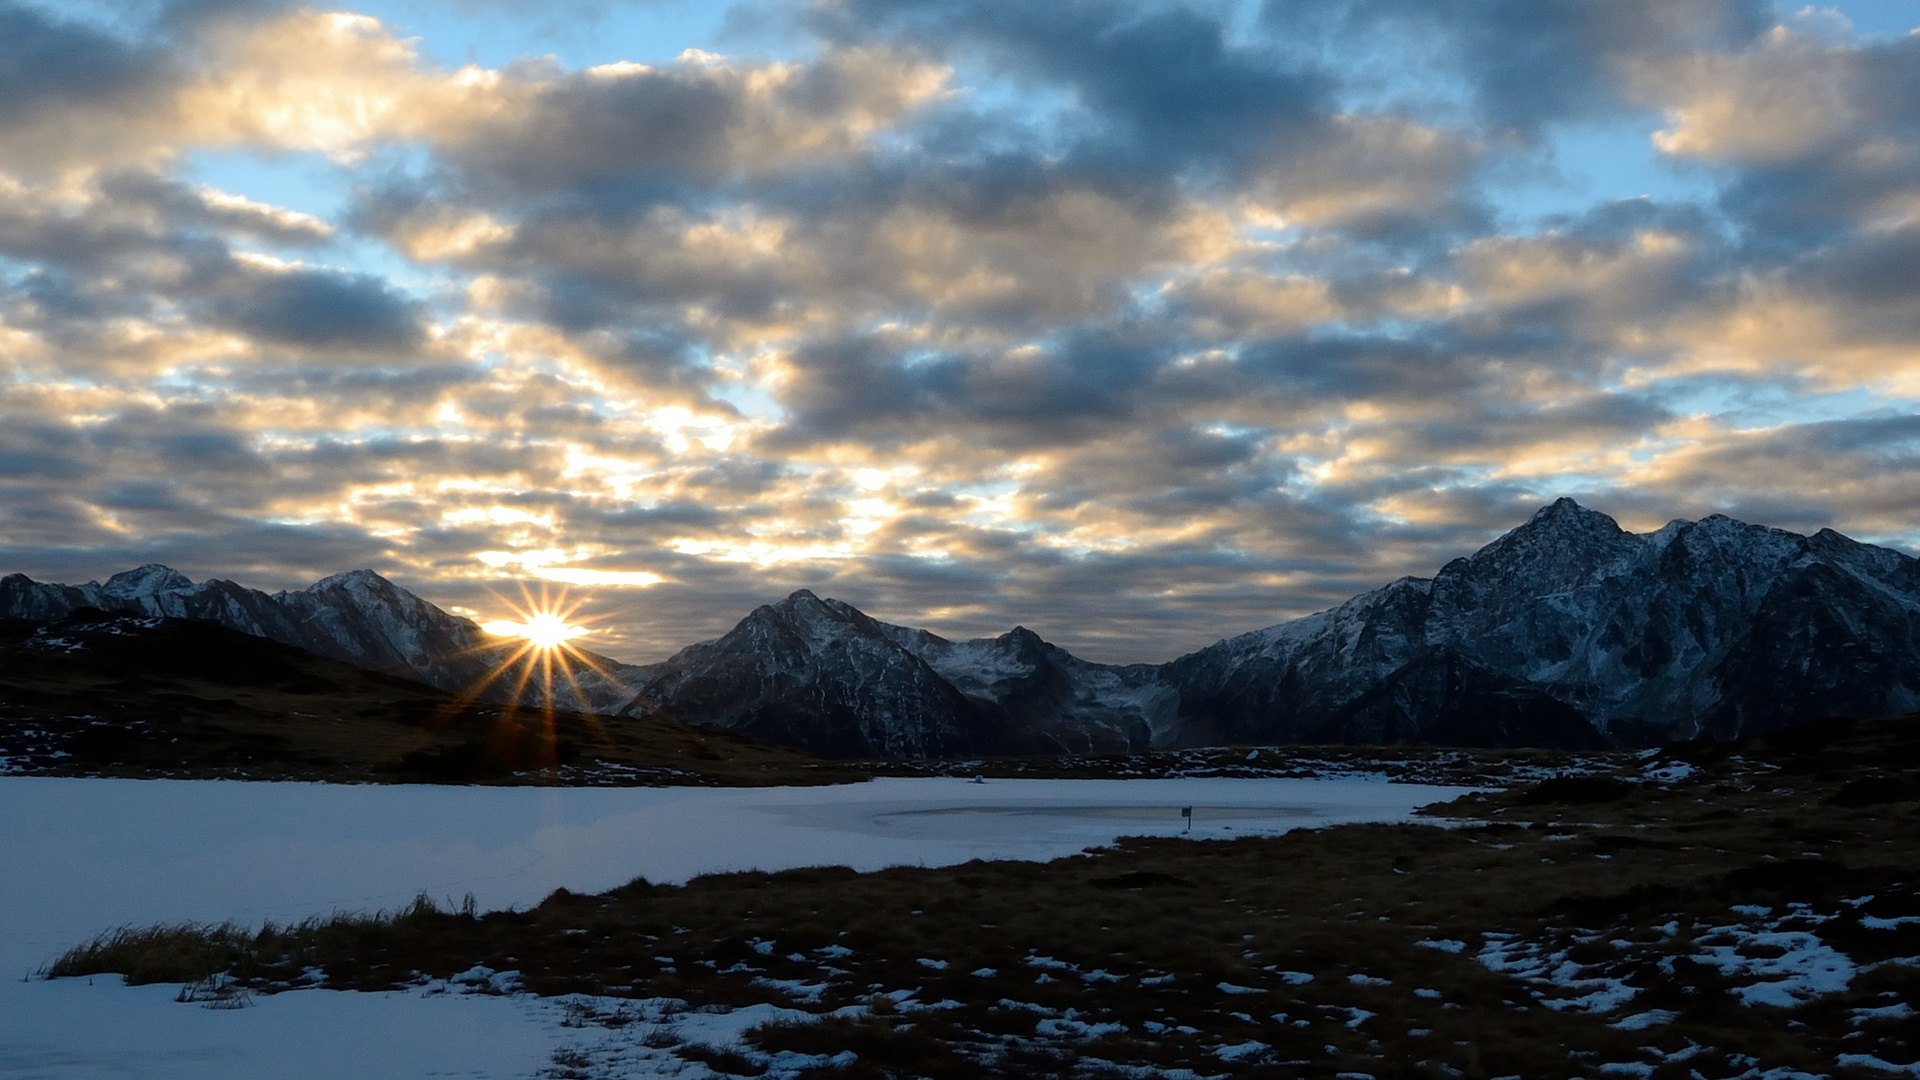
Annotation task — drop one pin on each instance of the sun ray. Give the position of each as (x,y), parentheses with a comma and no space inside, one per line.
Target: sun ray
(543,659)
(526,662)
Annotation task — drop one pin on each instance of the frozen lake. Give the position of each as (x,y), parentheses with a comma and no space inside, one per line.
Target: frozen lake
(81,856)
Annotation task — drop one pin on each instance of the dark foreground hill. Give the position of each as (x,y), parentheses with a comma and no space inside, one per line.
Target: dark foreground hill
(1747,910)
(106,694)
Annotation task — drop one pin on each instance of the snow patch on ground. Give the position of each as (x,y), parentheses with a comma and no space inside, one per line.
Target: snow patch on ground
(619,1037)
(1868,1061)
(1778,960)
(1240,1051)
(1644,1020)
(1550,969)
(1804,968)
(1670,773)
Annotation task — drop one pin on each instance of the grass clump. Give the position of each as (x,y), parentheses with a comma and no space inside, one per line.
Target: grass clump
(180,952)
(196,952)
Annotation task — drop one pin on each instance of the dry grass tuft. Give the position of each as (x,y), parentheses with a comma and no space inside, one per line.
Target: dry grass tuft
(195,952)
(181,952)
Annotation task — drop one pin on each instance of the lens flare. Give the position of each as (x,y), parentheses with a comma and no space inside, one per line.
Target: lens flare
(537,661)
(543,629)
(533,668)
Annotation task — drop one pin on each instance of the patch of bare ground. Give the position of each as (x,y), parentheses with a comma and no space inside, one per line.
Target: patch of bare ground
(1709,912)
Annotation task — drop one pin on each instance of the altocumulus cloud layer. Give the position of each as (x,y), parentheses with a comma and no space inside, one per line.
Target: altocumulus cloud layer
(1139,323)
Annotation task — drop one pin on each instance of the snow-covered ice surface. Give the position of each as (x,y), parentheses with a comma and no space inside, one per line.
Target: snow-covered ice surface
(81,856)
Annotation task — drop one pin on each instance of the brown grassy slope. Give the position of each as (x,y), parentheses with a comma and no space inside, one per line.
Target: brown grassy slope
(192,699)
(1184,950)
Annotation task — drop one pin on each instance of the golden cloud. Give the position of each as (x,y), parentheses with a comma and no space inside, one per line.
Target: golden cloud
(1793,95)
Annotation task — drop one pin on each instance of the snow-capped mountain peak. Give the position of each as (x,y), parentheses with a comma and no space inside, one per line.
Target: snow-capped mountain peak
(146,581)
(361,581)
(823,675)
(1571,629)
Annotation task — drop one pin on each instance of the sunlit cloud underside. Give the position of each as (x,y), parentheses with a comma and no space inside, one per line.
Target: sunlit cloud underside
(1140,325)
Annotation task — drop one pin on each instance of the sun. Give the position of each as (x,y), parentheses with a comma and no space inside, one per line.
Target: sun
(543,630)
(532,658)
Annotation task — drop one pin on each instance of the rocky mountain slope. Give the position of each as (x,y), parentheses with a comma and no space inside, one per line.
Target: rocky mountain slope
(823,675)
(1568,631)
(1074,705)
(358,618)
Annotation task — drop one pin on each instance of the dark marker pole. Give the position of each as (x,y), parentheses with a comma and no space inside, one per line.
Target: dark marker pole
(1187,812)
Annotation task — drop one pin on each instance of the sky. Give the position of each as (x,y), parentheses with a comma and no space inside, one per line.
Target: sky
(1139,324)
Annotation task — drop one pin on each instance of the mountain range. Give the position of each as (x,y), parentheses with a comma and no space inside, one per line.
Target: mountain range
(358,618)
(1568,631)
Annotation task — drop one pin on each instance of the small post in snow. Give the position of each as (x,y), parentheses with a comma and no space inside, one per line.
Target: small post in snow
(1187,812)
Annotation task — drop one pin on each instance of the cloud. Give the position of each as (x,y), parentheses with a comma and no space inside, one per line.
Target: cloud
(1141,325)
(1853,472)
(1814,135)
(614,130)
(50,61)
(1161,82)
(1524,66)
(198,206)
(1792,96)
(316,309)
(139,272)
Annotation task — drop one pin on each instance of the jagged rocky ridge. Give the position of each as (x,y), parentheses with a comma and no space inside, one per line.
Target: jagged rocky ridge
(1571,631)
(1568,631)
(359,618)
(823,675)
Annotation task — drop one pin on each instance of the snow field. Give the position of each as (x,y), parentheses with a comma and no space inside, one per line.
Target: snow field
(83,856)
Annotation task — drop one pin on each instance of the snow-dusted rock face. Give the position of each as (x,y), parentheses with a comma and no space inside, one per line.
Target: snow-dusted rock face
(1076,705)
(148,580)
(358,617)
(823,675)
(1567,631)
(1570,631)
